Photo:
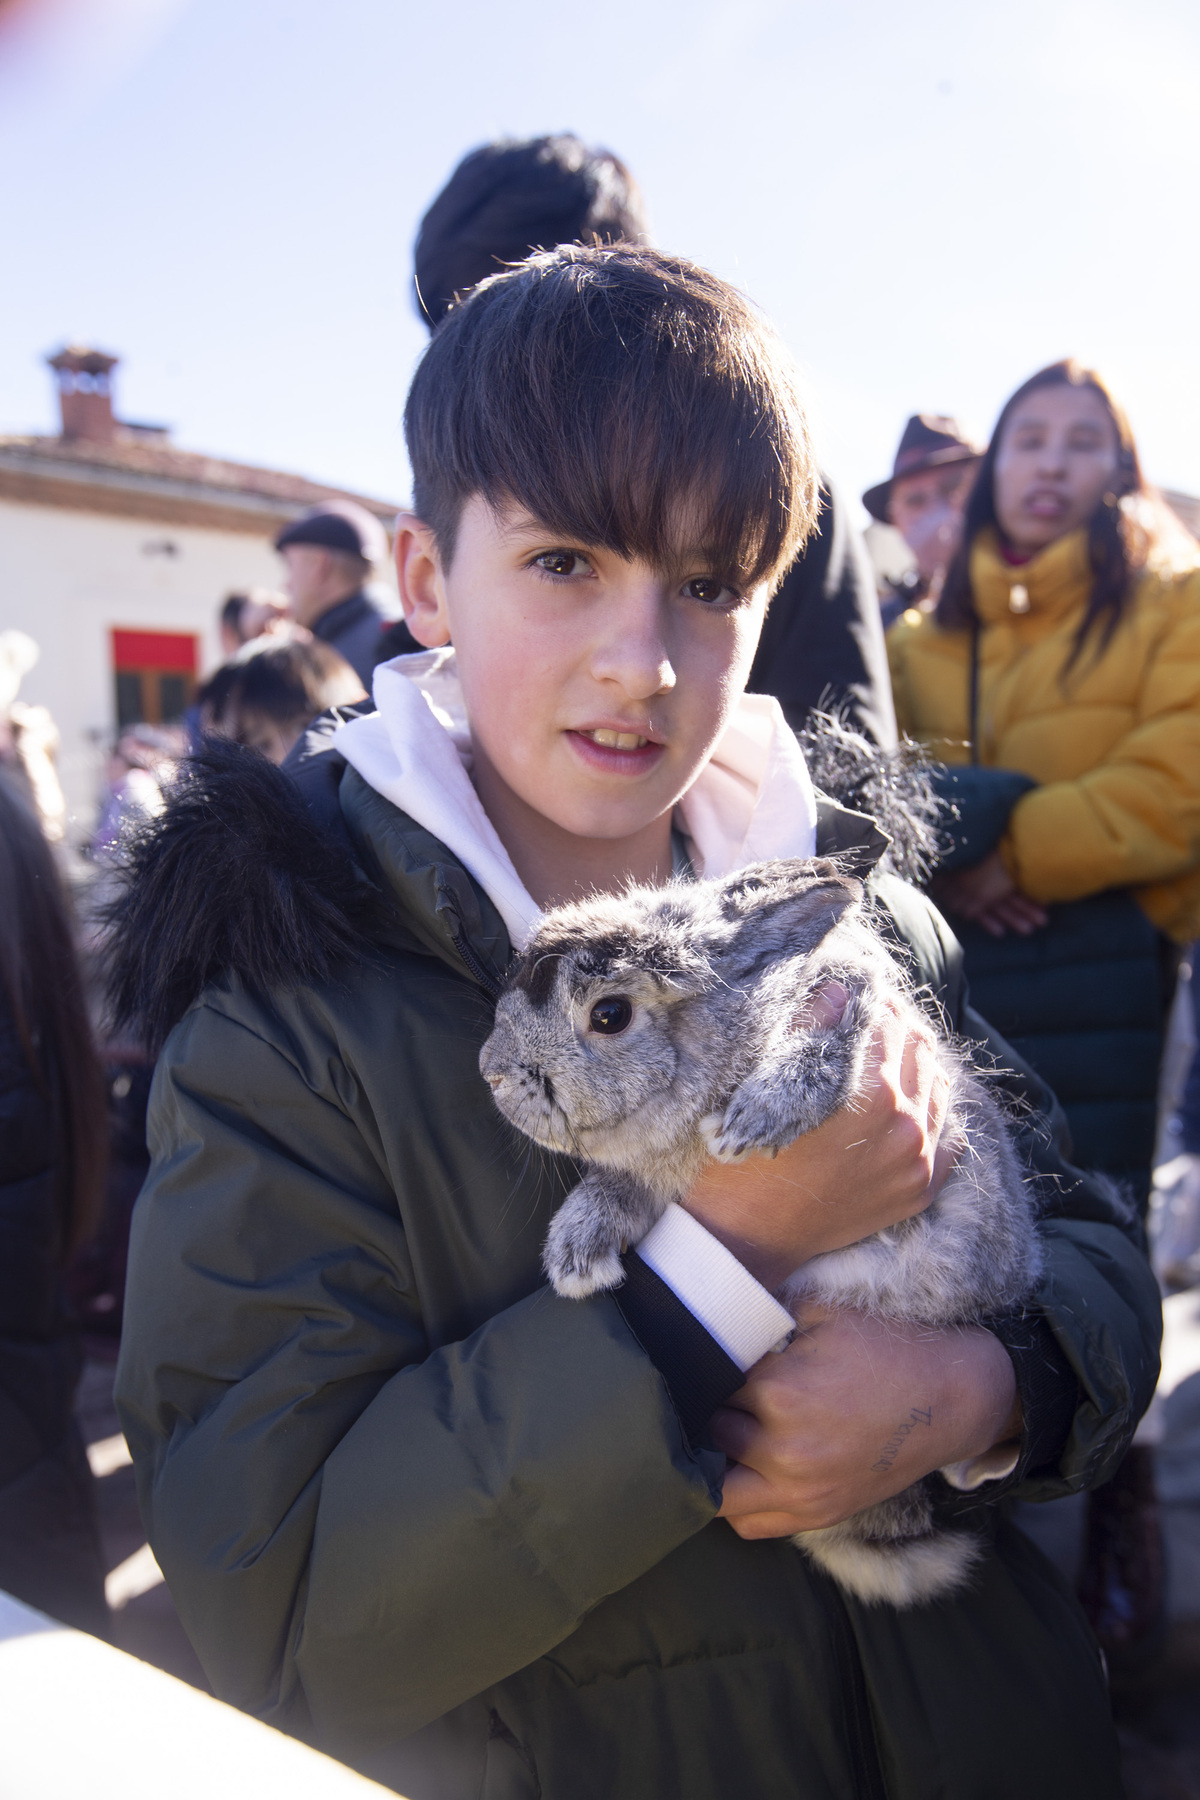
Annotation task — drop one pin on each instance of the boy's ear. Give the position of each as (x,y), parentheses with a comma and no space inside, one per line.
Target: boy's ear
(419,577)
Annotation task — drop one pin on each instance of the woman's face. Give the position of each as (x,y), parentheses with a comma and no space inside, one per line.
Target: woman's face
(1056,461)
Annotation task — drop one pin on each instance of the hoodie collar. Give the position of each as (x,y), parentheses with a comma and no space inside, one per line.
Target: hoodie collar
(752,801)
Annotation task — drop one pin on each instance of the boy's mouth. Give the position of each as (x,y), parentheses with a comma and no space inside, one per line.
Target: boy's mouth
(616,740)
(604,747)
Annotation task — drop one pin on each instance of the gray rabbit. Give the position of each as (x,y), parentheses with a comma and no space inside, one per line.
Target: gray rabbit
(648,1031)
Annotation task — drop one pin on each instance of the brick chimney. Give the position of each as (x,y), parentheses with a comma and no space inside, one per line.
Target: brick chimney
(85,394)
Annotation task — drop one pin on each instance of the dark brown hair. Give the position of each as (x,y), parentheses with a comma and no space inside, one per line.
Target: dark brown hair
(611,392)
(42,989)
(1117,544)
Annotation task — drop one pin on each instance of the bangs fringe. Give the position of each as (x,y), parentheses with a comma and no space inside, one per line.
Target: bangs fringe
(625,400)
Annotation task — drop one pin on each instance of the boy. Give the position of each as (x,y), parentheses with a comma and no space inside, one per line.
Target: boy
(411,1505)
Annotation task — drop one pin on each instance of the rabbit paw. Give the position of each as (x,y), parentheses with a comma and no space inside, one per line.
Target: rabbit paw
(725,1142)
(580,1256)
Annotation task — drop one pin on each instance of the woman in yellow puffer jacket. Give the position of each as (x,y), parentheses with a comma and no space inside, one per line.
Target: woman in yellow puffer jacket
(1060,680)
(1065,651)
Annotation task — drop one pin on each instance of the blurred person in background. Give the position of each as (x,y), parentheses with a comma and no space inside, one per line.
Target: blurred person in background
(247,616)
(142,762)
(140,768)
(52,1156)
(822,642)
(263,698)
(1059,675)
(266,697)
(330,554)
(29,738)
(923,500)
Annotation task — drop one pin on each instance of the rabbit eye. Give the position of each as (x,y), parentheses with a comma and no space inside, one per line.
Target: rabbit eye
(610,1016)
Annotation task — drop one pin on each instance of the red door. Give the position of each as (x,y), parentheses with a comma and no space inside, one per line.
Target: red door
(154,674)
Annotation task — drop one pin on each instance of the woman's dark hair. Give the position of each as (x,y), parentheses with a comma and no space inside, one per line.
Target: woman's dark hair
(612,393)
(42,989)
(1117,543)
(514,196)
(282,683)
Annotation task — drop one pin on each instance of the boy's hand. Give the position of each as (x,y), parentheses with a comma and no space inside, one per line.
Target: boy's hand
(854,1411)
(868,1166)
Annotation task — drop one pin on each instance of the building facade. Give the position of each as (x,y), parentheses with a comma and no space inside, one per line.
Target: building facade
(117,549)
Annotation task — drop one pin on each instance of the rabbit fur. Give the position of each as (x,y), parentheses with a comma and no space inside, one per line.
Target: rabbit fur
(648,1031)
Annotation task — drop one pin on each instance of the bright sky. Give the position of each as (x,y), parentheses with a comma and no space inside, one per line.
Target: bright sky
(930,199)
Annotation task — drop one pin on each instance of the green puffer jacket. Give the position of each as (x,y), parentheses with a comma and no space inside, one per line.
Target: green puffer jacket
(415,1508)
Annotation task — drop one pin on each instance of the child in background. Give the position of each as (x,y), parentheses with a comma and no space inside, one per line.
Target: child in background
(272,689)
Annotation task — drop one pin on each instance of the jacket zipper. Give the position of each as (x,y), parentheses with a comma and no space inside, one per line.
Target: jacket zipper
(484,977)
(861,1742)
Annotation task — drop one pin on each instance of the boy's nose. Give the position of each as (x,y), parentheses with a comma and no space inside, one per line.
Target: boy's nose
(633,652)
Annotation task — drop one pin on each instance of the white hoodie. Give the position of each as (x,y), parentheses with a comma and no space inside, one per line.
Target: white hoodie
(752,801)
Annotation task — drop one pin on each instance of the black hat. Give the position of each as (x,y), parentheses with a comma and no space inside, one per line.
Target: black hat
(929,441)
(339,525)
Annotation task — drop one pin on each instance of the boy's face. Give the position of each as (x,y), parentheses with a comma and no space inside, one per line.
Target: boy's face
(596,688)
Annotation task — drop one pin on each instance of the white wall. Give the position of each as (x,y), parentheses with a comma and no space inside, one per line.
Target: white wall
(67,578)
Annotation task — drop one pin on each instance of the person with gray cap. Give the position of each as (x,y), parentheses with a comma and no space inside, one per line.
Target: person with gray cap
(329,553)
(924,500)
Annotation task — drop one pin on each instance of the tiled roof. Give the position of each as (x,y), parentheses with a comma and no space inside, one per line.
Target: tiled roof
(156,463)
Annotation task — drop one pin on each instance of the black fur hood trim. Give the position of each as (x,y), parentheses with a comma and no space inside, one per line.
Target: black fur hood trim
(232,878)
(249,871)
(894,787)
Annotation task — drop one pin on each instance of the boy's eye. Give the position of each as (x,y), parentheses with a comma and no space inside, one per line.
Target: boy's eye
(708,590)
(609,1017)
(562,562)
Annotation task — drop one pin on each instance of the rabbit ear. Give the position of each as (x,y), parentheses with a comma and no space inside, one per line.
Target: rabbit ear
(783,909)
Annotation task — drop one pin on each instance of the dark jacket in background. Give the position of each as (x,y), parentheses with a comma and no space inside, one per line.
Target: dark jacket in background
(1084,1000)
(49,1548)
(354,627)
(822,642)
(417,1508)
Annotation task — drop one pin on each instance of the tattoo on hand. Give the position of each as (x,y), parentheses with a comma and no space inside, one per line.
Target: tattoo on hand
(920,1415)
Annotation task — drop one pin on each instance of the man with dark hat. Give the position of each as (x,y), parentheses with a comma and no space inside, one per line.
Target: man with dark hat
(924,500)
(329,553)
(822,642)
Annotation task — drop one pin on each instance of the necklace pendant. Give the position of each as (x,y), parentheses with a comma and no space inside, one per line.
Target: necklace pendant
(1018,598)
